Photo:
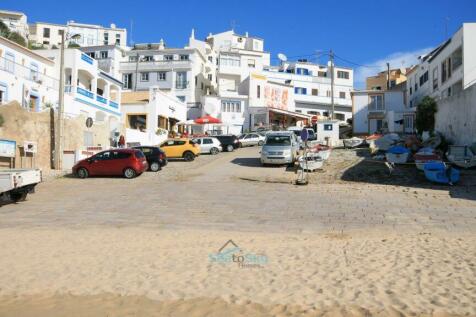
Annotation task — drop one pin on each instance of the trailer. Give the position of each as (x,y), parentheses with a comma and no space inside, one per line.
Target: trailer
(16,184)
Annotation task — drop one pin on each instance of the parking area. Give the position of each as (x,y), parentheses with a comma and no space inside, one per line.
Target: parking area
(232,190)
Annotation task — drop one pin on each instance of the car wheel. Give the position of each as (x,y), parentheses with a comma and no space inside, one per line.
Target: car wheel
(214,151)
(154,166)
(17,197)
(229,148)
(83,173)
(129,173)
(188,156)
(260,143)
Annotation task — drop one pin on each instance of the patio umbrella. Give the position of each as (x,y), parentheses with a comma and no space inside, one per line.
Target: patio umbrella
(207,119)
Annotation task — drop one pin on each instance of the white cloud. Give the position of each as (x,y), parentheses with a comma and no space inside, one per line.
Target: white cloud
(396,60)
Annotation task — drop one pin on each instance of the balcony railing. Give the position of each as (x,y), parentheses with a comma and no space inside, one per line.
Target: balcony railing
(113,104)
(181,84)
(85,92)
(27,73)
(101,101)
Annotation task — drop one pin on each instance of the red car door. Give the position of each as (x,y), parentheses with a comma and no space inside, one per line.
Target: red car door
(118,162)
(99,163)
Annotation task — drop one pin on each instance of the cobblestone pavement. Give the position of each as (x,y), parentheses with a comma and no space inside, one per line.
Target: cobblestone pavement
(231,191)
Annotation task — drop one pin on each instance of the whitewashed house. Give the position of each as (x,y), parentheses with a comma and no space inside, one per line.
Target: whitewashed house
(27,77)
(109,57)
(15,21)
(378,111)
(150,115)
(312,87)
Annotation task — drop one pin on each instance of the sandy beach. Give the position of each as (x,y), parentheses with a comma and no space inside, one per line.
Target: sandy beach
(90,271)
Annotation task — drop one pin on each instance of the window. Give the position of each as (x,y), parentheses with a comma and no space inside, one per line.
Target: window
(168,57)
(251,63)
(210,77)
(230,60)
(137,121)
(435,78)
(300,91)
(133,58)
(181,80)
(302,71)
(34,72)
(106,38)
(445,69)
(342,74)
(161,76)
(376,102)
(342,95)
(147,58)
(230,106)
(181,98)
(144,76)
(127,81)
(328,93)
(118,39)
(423,78)
(184,57)
(314,92)
(46,32)
(298,110)
(321,74)
(327,127)
(3,93)
(258,91)
(103,54)
(457,58)
(210,59)
(10,62)
(207,141)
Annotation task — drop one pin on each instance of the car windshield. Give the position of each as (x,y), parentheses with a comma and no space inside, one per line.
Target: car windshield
(278,140)
(139,154)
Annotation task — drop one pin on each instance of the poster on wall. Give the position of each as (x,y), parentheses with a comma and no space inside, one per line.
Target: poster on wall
(276,97)
(7,148)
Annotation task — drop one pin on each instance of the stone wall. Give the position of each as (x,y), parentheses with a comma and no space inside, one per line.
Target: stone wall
(21,125)
(456,117)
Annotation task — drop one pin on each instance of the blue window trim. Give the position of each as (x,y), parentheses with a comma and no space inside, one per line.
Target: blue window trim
(96,106)
(87,59)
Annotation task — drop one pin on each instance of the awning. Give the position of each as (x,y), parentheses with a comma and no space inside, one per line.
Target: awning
(290,113)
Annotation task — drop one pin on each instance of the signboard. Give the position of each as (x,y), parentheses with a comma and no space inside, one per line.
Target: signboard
(89,122)
(314,119)
(304,135)
(7,148)
(30,147)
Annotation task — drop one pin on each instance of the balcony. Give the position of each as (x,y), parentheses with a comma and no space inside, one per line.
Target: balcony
(92,99)
(155,65)
(181,84)
(10,68)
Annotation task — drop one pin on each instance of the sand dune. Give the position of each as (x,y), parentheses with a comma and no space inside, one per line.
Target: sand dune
(346,274)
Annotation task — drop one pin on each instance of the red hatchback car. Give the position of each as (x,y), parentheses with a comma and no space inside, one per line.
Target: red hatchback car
(127,162)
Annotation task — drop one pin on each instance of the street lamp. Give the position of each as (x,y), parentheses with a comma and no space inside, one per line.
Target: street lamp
(59,134)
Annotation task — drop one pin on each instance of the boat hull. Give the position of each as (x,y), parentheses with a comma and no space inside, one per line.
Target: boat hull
(397,158)
(439,173)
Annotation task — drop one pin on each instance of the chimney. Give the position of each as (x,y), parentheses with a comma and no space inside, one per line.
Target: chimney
(161,44)
(246,34)
(192,36)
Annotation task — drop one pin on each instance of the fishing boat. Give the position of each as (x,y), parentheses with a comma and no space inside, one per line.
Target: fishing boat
(324,151)
(353,142)
(311,161)
(438,172)
(425,155)
(461,155)
(397,154)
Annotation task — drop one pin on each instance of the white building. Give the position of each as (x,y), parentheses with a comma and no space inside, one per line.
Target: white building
(49,34)
(149,115)
(89,91)
(109,57)
(447,70)
(312,87)
(185,73)
(15,21)
(379,111)
(27,77)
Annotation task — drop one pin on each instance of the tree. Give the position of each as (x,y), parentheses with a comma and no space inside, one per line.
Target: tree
(4,30)
(425,114)
(73,45)
(17,38)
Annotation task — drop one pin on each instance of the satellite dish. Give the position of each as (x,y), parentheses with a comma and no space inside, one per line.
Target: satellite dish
(210,108)
(282,57)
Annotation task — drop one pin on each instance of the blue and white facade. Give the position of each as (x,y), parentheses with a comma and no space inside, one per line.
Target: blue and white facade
(89,91)
(26,77)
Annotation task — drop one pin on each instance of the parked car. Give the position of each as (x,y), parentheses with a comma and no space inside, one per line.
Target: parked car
(208,145)
(127,162)
(280,148)
(155,157)
(228,142)
(16,184)
(251,139)
(181,148)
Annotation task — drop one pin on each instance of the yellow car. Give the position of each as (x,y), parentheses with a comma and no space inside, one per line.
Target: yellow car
(180,148)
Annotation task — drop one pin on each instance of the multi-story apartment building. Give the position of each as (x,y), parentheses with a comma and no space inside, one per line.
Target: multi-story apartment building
(15,21)
(312,87)
(447,70)
(89,91)
(379,81)
(26,77)
(49,34)
(186,72)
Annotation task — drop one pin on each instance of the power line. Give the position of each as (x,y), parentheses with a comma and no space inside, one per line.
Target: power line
(357,64)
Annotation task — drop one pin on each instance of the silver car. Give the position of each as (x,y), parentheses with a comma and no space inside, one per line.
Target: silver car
(251,139)
(208,145)
(280,148)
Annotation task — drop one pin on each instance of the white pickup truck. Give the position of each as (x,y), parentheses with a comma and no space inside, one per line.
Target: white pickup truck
(15,184)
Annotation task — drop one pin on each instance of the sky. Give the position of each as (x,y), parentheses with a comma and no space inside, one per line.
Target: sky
(363,34)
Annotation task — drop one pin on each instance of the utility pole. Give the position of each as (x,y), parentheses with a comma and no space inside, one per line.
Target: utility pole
(137,70)
(59,132)
(331,56)
(388,76)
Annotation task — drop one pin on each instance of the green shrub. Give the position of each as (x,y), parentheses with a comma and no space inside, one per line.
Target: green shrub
(425,115)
